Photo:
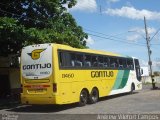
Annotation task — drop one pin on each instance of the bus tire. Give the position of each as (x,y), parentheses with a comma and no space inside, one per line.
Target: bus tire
(94,96)
(132,88)
(83,97)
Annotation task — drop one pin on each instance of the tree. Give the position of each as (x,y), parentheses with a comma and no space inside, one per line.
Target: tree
(25,22)
(12,36)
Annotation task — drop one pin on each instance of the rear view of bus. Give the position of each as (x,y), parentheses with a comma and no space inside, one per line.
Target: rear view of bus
(36,74)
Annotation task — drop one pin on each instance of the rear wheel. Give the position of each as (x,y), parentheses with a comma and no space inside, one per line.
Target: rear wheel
(94,96)
(83,98)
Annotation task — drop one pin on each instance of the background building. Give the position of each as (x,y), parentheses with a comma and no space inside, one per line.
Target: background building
(9,77)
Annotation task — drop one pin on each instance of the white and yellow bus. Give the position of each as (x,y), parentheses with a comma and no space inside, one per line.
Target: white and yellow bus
(60,74)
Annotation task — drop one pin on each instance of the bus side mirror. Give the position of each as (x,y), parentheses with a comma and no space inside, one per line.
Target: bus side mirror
(141,71)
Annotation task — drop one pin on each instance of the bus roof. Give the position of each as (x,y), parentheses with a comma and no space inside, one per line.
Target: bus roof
(67,47)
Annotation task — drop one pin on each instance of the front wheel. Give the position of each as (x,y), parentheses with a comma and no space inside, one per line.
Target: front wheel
(94,96)
(83,98)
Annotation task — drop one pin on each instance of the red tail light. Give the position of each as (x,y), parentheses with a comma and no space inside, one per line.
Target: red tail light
(45,86)
(27,86)
(54,87)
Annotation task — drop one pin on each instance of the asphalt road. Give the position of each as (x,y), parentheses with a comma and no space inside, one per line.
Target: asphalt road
(146,101)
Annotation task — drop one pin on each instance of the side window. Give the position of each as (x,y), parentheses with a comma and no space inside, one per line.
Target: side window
(106,62)
(73,59)
(100,63)
(136,63)
(76,59)
(122,63)
(60,54)
(113,62)
(130,64)
(67,59)
(87,60)
(79,60)
(137,66)
(94,61)
(64,59)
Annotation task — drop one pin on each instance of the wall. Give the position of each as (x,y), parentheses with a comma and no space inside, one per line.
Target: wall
(147,79)
(13,74)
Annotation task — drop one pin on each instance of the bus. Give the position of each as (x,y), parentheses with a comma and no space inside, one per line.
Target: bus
(60,74)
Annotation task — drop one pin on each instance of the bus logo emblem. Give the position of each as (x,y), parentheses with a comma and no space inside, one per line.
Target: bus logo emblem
(35,54)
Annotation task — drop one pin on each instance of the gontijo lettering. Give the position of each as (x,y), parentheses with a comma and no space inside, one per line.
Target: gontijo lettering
(97,74)
(37,66)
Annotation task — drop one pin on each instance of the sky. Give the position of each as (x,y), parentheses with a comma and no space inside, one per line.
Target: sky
(118,26)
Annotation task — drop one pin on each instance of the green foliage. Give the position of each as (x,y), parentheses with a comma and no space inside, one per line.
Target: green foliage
(11,36)
(26,22)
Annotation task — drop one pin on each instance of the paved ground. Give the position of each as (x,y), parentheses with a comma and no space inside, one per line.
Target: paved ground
(146,101)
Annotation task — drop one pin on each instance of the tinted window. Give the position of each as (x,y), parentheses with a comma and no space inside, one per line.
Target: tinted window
(61,59)
(87,60)
(130,64)
(100,61)
(70,59)
(137,66)
(122,63)
(136,63)
(113,63)
(106,62)
(94,61)
(73,59)
(79,60)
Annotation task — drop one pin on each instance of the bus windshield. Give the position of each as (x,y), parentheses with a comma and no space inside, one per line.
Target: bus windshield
(36,61)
